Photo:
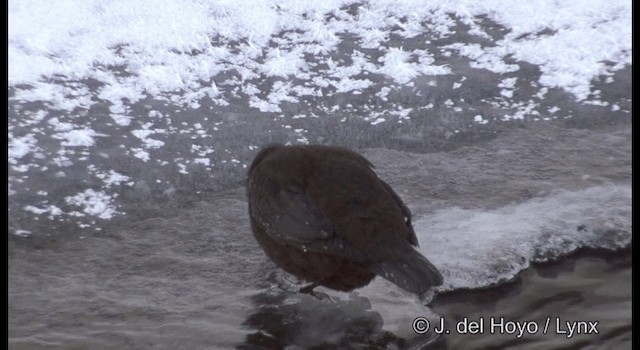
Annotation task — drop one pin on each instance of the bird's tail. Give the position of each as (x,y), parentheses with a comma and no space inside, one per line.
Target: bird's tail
(409,270)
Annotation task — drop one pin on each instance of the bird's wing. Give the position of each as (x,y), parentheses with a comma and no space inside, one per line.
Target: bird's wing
(405,211)
(296,220)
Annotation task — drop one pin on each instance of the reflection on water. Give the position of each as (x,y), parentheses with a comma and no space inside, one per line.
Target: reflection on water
(286,319)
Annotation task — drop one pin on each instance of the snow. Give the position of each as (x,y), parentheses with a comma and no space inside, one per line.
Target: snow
(68,56)
(141,154)
(478,119)
(60,126)
(95,203)
(377,121)
(203,161)
(143,135)
(52,210)
(113,178)
(20,147)
(283,64)
(35,210)
(396,66)
(22,233)
(490,58)
(121,120)
(78,138)
(171,45)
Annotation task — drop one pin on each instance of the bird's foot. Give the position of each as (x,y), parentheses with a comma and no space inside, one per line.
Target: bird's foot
(308,289)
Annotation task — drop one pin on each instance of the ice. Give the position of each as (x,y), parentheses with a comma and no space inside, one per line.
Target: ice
(79,137)
(113,178)
(95,203)
(263,106)
(143,134)
(377,121)
(67,57)
(22,233)
(396,65)
(35,210)
(121,120)
(173,45)
(283,64)
(20,147)
(478,119)
(52,210)
(203,161)
(141,154)
(493,246)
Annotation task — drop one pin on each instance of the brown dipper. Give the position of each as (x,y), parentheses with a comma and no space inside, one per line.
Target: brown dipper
(322,214)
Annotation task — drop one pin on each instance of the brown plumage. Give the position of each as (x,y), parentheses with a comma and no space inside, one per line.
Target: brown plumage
(323,215)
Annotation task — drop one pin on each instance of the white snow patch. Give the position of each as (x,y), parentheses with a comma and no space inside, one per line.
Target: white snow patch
(22,233)
(79,137)
(182,168)
(378,121)
(171,47)
(508,83)
(283,64)
(112,178)
(396,65)
(383,93)
(35,210)
(20,147)
(402,113)
(94,203)
(280,93)
(348,84)
(58,97)
(488,58)
(122,120)
(204,161)
(263,106)
(52,210)
(141,154)
(553,109)
(60,126)
(143,134)
(478,119)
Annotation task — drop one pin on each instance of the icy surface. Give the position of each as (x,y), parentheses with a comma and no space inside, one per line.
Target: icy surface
(493,246)
(161,48)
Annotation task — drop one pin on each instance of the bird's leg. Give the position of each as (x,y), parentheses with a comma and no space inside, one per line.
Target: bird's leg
(308,289)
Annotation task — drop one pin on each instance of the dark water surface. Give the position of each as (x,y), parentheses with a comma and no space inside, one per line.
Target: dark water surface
(590,291)
(197,278)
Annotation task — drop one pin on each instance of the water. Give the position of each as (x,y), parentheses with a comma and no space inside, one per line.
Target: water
(128,223)
(198,278)
(590,287)
(170,282)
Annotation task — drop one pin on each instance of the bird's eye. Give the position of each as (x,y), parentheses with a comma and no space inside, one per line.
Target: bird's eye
(407,219)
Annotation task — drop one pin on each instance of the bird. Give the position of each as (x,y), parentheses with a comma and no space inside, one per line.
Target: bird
(322,214)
